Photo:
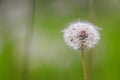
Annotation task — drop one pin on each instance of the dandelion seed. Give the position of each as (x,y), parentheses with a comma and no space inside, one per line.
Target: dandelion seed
(81,35)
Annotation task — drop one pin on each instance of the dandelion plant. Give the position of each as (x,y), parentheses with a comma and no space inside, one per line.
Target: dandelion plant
(80,36)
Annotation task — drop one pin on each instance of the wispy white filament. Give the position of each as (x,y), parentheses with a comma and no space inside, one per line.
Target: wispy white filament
(81,34)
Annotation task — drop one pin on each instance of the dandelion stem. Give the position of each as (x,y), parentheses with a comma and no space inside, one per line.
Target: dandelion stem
(27,46)
(84,65)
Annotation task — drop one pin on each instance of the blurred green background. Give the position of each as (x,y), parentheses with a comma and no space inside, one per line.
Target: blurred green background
(49,57)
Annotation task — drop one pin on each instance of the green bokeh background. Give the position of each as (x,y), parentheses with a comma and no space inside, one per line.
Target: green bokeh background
(54,60)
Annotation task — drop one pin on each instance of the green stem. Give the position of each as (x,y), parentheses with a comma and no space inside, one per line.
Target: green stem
(27,46)
(90,64)
(90,55)
(91,10)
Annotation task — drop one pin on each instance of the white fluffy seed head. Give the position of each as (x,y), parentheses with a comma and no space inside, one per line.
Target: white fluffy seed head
(81,35)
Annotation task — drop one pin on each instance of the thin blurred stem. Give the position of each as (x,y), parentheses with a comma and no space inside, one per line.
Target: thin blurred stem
(91,10)
(27,46)
(90,64)
(84,65)
(90,56)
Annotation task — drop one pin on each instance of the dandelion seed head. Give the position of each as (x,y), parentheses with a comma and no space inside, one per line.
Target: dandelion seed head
(81,35)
